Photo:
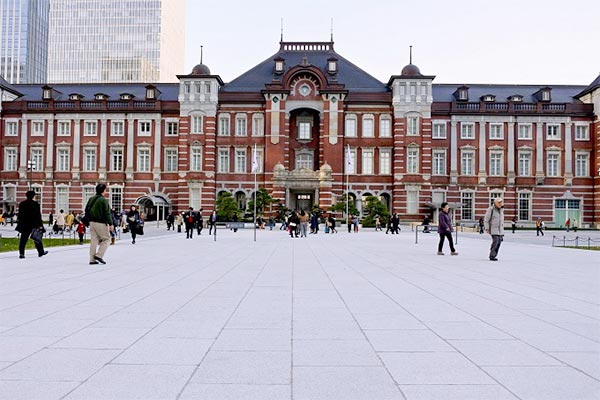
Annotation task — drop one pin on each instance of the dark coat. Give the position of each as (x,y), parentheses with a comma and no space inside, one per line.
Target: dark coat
(30,216)
(444,224)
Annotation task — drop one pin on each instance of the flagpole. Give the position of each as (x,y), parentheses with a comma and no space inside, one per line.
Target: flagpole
(255,167)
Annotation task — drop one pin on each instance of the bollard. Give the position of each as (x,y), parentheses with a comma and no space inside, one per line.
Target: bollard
(564,241)
(416,235)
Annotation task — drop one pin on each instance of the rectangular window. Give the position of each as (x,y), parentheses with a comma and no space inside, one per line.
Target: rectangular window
(553,132)
(260,160)
(240,160)
(524,207)
(88,193)
(524,131)
(37,128)
(116,160)
(494,195)
(439,162)
(368,128)
(582,165)
(62,198)
(197,121)
(439,130)
(240,125)
(37,156)
(196,158)
(525,164)
(143,160)
(144,128)
(467,131)
(224,125)
(223,160)
(412,161)
(496,131)
(385,162)
(116,198)
(117,128)
(304,131)
(38,194)
(385,127)
(468,206)
(467,163)
(90,128)
(170,160)
(258,125)
(412,202)
(207,87)
(89,160)
(64,128)
(63,160)
(582,132)
(173,129)
(10,159)
(304,161)
(553,167)
(350,128)
(496,164)
(350,164)
(367,161)
(11,128)
(413,126)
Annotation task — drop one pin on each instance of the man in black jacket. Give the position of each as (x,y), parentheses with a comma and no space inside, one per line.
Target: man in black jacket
(30,218)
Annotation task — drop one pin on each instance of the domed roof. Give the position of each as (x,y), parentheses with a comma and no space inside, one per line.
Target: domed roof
(411,70)
(200,69)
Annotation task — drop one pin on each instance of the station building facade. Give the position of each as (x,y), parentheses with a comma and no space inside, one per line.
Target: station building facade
(317,126)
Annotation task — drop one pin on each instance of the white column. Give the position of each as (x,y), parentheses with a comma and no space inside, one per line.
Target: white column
(539,151)
(333,121)
(103,140)
(568,152)
(482,152)
(511,153)
(76,145)
(24,157)
(130,144)
(157,148)
(275,109)
(453,152)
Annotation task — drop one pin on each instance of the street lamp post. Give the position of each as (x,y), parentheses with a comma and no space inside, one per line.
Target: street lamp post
(30,169)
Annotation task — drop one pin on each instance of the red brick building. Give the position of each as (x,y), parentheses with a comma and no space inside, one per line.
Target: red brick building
(305,110)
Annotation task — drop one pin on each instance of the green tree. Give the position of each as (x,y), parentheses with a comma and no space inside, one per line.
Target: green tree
(375,207)
(226,206)
(341,205)
(263,200)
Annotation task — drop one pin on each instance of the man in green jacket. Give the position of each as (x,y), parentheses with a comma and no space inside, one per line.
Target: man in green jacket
(101,224)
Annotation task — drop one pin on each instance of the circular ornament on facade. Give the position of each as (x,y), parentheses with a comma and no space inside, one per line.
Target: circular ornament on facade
(333,99)
(275,99)
(304,90)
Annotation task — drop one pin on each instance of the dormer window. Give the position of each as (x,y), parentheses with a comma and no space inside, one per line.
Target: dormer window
(47,93)
(150,93)
(489,98)
(279,65)
(332,65)
(545,95)
(462,93)
(517,98)
(100,96)
(126,96)
(74,97)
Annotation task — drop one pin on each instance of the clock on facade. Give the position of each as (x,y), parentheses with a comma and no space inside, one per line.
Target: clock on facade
(304,90)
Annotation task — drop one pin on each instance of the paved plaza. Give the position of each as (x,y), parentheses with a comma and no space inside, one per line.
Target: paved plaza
(346,316)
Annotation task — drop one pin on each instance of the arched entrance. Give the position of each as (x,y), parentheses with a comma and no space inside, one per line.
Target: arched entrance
(153,207)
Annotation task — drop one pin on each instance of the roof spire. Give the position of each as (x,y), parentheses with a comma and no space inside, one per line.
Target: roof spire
(201,51)
(281,29)
(332,29)
(410,57)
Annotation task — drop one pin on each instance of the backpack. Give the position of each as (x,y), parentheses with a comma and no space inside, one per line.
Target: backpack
(85,219)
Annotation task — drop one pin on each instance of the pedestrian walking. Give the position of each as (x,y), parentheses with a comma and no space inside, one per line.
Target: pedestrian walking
(514,224)
(293,222)
(388,225)
(574,224)
(199,222)
(50,219)
(133,221)
(481,226)
(81,231)
(101,224)
(60,221)
(377,223)
(30,224)
(332,223)
(188,219)
(350,222)
(212,222)
(539,224)
(271,223)
(303,223)
(568,224)
(314,223)
(396,224)
(445,230)
(494,225)
(171,222)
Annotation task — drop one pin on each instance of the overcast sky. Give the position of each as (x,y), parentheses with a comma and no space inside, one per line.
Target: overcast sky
(459,41)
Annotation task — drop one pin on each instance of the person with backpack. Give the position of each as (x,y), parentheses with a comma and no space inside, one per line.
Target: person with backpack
(188,220)
(100,223)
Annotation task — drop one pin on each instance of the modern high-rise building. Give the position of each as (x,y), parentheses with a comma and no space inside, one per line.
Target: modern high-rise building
(116,40)
(24,40)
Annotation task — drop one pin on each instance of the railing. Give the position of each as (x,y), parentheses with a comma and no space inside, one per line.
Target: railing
(525,107)
(575,242)
(496,106)
(554,107)
(37,105)
(64,104)
(91,105)
(467,106)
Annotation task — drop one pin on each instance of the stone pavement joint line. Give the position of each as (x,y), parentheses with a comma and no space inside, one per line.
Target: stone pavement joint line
(345,316)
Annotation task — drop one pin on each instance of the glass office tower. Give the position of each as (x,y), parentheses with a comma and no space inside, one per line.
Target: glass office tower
(116,40)
(24,40)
